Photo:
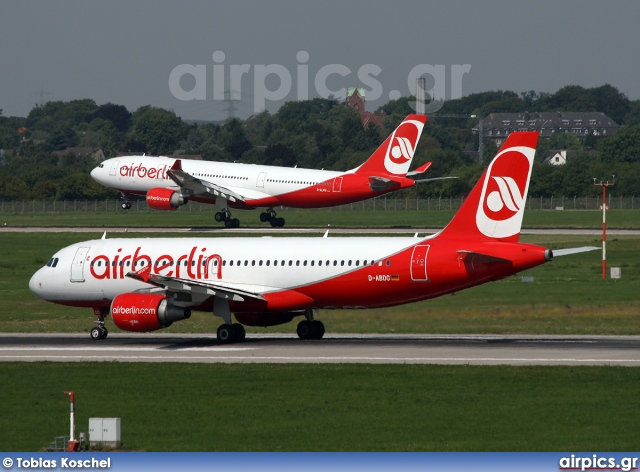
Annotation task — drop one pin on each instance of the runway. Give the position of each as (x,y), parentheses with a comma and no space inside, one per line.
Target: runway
(275,231)
(343,348)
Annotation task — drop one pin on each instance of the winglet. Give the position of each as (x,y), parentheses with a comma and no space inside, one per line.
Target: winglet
(177,165)
(104,235)
(142,274)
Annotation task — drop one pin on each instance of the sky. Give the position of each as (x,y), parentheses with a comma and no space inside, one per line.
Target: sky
(189,55)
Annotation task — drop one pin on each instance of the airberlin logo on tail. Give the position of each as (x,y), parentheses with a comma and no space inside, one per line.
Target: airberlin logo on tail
(402,146)
(504,198)
(504,191)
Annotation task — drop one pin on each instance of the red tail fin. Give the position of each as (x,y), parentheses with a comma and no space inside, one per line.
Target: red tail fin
(393,157)
(495,207)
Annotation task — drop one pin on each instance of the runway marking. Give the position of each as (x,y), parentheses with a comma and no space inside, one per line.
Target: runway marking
(324,359)
(119,349)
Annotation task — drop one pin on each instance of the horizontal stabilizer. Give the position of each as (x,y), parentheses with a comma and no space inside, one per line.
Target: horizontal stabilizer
(433,179)
(478,258)
(573,250)
(420,170)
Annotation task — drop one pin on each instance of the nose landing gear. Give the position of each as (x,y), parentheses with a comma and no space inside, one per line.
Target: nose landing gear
(100,331)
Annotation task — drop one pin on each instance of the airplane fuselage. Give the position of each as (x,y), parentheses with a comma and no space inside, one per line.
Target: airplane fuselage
(289,273)
(261,186)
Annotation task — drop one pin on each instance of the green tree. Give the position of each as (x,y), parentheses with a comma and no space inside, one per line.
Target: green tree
(160,130)
(624,146)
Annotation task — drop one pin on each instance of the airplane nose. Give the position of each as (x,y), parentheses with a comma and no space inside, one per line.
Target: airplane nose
(35,283)
(94,173)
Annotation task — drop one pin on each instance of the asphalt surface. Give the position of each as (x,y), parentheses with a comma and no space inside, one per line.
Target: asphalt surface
(347,348)
(268,230)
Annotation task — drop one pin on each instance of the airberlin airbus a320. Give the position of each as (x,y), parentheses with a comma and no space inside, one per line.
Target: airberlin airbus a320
(147,284)
(169,183)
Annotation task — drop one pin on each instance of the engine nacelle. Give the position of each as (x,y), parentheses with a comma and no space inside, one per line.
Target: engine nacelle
(145,312)
(164,199)
(266,319)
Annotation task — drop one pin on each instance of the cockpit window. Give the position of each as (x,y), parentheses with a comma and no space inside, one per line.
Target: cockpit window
(52,262)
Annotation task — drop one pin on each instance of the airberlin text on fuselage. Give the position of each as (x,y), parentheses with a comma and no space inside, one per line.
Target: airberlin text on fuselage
(143,172)
(197,265)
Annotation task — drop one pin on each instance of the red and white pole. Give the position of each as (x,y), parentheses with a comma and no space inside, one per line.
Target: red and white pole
(73,444)
(604,231)
(604,221)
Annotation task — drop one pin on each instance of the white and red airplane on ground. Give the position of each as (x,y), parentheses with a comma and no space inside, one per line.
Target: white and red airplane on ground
(146,284)
(169,183)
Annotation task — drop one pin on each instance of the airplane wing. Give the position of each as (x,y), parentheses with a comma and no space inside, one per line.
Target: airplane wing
(179,285)
(198,186)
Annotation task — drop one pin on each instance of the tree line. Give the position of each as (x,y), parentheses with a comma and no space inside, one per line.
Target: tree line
(317,133)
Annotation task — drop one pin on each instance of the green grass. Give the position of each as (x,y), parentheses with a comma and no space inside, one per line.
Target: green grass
(217,407)
(314,218)
(567,297)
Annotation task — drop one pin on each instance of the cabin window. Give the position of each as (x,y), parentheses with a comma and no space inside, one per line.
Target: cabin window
(297,263)
(230,263)
(304,263)
(260,263)
(290,263)
(388,262)
(335,263)
(253,263)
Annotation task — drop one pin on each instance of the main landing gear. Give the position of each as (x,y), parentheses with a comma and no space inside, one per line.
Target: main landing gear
(225,215)
(231,333)
(310,328)
(271,217)
(126,204)
(99,332)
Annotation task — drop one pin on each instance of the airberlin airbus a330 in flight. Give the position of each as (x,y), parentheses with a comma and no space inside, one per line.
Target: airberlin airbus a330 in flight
(169,183)
(147,284)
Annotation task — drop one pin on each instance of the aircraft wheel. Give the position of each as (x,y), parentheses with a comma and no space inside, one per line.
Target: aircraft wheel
(124,205)
(228,223)
(239,332)
(226,334)
(274,222)
(219,217)
(96,333)
(264,217)
(280,222)
(317,329)
(105,333)
(235,223)
(128,205)
(304,330)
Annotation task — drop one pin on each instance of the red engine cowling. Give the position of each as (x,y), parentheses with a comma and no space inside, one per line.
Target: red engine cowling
(164,199)
(145,312)
(266,319)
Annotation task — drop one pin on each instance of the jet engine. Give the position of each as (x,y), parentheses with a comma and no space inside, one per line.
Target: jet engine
(145,312)
(164,199)
(266,319)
